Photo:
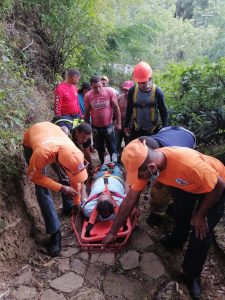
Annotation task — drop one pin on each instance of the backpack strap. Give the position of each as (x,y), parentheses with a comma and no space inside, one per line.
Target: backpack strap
(152,105)
(63,120)
(77,121)
(135,105)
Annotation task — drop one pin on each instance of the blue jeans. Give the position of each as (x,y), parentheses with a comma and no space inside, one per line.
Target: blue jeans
(64,180)
(102,136)
(45,201)
(116,171)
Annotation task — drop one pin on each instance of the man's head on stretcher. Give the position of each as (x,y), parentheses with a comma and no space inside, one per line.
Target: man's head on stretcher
(105,207)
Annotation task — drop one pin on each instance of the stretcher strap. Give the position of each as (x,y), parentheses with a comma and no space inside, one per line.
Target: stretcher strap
(96,196)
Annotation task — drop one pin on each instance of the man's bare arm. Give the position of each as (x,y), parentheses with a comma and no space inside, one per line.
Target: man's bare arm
(117,113)
(87,110)
(87,155)
(199,218)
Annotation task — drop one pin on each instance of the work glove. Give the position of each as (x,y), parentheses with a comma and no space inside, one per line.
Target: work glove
(88,229)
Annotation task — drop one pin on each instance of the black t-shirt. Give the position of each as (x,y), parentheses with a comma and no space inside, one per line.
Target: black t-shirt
(67,121)
(84,145)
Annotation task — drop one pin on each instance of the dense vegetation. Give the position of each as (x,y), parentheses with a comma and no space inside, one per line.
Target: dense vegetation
(183,40)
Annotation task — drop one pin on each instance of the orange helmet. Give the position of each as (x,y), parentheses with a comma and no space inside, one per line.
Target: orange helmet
(142,72)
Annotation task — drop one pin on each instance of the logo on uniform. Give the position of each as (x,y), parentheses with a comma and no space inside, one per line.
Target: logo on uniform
(80,167)
(181,181)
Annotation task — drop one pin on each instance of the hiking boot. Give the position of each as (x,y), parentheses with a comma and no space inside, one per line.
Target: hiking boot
(54,248)
(171,243)
(154,219)
(195,287)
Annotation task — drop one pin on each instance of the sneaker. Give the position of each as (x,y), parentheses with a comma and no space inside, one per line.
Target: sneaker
(154,219)
(114,157)
(194,287)
(54,248)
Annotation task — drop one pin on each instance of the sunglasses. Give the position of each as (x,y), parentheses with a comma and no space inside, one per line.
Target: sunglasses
(80,167)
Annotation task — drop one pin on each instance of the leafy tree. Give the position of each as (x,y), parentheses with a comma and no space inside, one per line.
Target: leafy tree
(195,96)
(213,15)
(68,32)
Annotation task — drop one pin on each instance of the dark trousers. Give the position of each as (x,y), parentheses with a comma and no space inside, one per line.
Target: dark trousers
(104,136)
(137,133)
(120,135)
(196,254)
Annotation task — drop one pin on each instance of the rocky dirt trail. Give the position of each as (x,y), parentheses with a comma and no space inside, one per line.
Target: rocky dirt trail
(143,270)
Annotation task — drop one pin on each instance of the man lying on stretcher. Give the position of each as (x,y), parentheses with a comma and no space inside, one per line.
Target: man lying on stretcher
(107,193)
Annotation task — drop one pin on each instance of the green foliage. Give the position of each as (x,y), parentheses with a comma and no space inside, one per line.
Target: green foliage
(17,108)
(95,35)
(5,8)
(196,98)
(69,31)
(150,32)
(217,151)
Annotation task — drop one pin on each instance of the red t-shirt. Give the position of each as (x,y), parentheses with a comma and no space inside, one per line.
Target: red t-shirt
(66,100)
(100,106)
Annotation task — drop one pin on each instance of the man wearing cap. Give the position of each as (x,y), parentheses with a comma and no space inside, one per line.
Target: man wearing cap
(100,103)
(145,104)
(105,83)
(81,136)
(161,196)
(199,182)
(122,102)
(45,143)
(66,96)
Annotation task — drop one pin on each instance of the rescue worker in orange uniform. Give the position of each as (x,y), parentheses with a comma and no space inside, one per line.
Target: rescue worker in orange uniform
(199,184)
(45,143)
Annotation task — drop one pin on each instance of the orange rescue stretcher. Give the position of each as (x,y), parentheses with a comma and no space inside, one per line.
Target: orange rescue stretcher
(100,230)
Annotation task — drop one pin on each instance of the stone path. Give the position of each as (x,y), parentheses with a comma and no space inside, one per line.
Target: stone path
(143,270)
(97,276)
